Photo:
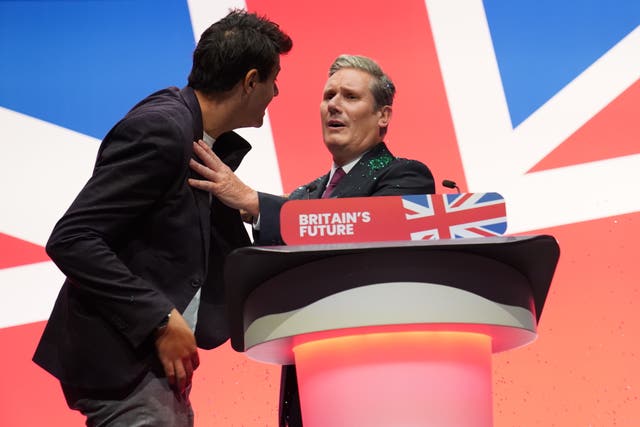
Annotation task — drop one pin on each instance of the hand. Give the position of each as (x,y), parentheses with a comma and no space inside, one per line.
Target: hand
(221,181)
(246,216)
(178,353)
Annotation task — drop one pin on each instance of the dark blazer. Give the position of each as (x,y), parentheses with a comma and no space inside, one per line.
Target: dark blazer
(378,173)
(137,242)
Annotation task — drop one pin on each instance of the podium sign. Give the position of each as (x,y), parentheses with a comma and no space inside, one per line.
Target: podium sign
(393,218)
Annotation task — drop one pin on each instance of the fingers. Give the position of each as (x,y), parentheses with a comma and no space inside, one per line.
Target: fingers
(207,155)
(209,170)
(204,147)
(169,371)
(182,376)
(246,216)
(209,175)
(184,369)
(202,170)
(200,184)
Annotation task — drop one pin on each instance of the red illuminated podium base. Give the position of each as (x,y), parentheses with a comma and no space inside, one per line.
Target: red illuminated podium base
(417,378)
(390,334)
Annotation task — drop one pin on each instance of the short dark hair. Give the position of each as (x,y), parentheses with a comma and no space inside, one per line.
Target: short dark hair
(231,47)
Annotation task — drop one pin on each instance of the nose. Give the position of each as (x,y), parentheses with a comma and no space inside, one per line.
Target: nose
(276,91)
(332,104)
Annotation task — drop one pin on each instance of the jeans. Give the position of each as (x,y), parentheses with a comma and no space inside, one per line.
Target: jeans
(151,403)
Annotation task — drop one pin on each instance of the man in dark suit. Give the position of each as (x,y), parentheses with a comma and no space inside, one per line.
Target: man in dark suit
(355,112)
(143,251)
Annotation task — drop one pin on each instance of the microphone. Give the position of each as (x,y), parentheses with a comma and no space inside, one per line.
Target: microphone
(450,184)
(311,187)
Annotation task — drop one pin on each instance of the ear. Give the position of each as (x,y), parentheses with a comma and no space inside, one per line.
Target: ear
(250,80)
(384,116)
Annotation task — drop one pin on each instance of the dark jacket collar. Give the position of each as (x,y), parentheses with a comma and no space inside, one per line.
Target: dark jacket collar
(379,153)
(230,147)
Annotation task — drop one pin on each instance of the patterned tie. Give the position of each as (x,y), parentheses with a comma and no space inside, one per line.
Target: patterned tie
(335,179)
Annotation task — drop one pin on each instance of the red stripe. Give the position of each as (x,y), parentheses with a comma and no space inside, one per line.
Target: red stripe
(613,132)
(480,232)
(463,198)
(17,252)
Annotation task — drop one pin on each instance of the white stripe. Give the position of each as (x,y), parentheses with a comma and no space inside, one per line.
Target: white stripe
(42,169)
(28,293)
(205,12)
(579,101)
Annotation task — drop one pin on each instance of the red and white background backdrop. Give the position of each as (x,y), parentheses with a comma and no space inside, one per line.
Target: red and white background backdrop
(536,100)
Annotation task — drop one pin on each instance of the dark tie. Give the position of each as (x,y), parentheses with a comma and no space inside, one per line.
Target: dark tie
(335,179)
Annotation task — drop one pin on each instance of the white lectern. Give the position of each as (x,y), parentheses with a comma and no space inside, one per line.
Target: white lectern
(393,333)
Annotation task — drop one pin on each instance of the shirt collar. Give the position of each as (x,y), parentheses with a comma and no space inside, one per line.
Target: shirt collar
(346,168)
(208,139)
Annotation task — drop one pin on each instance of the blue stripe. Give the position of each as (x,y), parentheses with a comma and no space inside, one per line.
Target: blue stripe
(83,64)
(419,199)
(541,45)
(490,197)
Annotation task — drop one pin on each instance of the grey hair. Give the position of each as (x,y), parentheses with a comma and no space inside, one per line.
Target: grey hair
(382,88)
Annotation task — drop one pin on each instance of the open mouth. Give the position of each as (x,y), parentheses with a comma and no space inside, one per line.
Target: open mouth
(335,124)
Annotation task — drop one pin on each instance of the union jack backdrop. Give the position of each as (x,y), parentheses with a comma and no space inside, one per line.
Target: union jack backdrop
(455,216)
(535,100)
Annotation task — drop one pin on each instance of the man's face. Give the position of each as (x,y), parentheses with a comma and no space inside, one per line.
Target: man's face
(350,124)
(261,96)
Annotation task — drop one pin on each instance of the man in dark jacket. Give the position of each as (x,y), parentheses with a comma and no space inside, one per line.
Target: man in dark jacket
(355,112)
(143,251)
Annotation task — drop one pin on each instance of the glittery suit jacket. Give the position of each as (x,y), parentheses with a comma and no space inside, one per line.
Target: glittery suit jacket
(378,173)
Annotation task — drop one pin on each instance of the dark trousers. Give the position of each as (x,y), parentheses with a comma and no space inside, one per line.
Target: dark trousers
(290,413)
(148,402)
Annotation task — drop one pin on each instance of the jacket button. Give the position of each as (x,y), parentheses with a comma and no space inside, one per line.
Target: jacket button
(196,283)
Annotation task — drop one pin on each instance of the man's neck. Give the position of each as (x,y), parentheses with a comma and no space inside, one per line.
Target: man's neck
(342,159)
(217,113)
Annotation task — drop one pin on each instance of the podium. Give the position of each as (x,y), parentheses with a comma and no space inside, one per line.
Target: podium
(390,333)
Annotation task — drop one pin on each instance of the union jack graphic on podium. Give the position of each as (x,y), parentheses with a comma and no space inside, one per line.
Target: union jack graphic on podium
(455,216)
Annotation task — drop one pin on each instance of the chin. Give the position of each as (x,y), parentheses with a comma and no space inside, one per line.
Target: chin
(334,146)
(334,139)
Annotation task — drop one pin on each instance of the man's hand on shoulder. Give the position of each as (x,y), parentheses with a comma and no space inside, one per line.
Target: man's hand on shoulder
(177,351)
(222,182)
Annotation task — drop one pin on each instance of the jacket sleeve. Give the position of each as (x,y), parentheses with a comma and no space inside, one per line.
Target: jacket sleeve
(138,162)
(269,233)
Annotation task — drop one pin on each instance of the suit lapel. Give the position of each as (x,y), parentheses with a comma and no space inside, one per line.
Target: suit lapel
(231,148)
(202,198)
(321,184)
(203,203)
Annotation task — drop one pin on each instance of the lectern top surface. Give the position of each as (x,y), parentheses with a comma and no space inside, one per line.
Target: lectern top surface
(535,257)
